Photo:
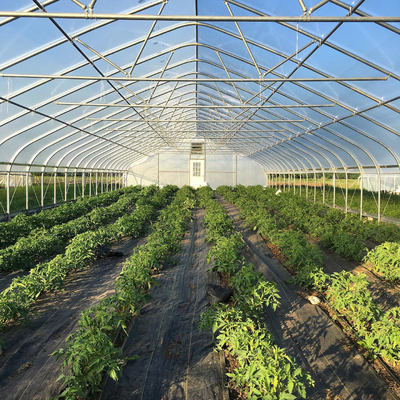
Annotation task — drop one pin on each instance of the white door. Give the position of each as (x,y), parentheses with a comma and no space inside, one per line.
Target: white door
(196,173)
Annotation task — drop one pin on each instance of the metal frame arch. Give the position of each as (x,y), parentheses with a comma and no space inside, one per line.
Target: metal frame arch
(307,157)
(296,142)
(319,144)
(287,153)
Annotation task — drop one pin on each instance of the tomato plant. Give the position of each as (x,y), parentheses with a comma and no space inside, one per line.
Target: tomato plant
(385,259)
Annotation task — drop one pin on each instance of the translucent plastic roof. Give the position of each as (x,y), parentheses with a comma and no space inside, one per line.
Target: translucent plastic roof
(294,85)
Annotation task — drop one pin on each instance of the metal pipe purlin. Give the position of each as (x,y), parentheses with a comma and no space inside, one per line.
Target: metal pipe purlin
(223,80)
(198,18)
(146,106)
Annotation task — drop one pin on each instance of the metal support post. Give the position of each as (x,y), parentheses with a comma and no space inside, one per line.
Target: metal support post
(65,186)
(42,190)
(300,185)
(334,189)
(307,185)
(294,183)
(102,180)
(90,184)
(315,187)
(236,170)
(74,185)
(379,196)
(361,195)
(83,184)
(347,193)
(97,173)
(27,190)
(323,187)
(55,188)
(8,194)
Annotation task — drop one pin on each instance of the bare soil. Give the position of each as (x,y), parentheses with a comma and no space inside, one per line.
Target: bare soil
(176,360)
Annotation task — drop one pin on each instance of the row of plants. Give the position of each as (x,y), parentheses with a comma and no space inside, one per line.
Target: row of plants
(263,371)
(22,224)
(305,258)
(44,243)
(92,351)
(343,233)
(348,294)
(23,291)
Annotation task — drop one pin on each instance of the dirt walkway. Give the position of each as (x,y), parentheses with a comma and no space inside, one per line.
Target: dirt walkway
(308,334)
(26,369)
(176,361)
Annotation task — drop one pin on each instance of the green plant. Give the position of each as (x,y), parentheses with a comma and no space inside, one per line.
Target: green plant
(385,259)
(384,337)
(350,296)
(226,254)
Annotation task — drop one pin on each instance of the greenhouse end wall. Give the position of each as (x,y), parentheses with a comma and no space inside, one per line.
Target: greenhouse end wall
(173,168)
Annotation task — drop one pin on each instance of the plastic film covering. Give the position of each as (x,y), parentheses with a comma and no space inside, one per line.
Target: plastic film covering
(126,82)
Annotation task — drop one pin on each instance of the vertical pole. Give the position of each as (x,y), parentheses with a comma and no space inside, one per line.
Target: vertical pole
(96,190)
(315,187)
(334,189)
(323,187)
(158,169)
(55,188)
(27,190)
(361,194)
(300,185)
(42,190)
(65,186)
(347,193)
(83,184)
(107,182)
(236,170)
(75,185)
(294,183)
(90,184)
(284,175)
(379,195)
(8,194)
(102,181)
(307,185)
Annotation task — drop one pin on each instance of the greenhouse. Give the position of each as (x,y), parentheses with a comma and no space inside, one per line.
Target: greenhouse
(200,199)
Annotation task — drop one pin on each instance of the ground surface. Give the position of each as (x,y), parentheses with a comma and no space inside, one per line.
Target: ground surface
(26,369)
(176,360)
(309,335)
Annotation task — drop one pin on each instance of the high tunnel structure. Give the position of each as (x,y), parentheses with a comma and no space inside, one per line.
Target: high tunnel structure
(110,93)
